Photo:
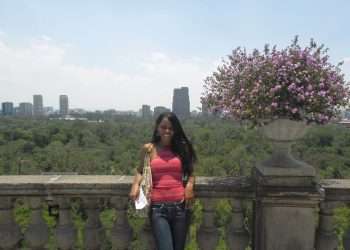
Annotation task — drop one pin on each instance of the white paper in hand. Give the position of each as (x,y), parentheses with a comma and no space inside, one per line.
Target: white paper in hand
(141,201)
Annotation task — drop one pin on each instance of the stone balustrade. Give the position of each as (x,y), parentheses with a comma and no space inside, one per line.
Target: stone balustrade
(96,193)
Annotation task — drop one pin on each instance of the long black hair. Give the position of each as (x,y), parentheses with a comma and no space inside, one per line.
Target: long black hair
(180,145)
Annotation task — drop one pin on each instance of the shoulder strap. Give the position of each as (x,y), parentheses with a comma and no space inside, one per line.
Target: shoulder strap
(149,148)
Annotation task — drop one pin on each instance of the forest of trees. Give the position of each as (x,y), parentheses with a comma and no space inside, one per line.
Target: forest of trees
(112,147)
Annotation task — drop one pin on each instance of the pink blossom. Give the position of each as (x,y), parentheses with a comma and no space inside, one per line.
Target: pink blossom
(248,83)
(291,87)
(322,93)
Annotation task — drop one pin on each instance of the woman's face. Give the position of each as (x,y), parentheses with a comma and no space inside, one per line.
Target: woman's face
(165,131)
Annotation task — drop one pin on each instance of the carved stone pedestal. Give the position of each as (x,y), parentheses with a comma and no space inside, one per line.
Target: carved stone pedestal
(285,209)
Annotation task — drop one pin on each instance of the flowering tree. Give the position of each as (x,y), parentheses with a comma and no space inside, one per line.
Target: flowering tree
(296,83)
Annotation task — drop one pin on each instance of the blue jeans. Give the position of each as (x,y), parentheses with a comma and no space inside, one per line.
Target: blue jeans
(169,225)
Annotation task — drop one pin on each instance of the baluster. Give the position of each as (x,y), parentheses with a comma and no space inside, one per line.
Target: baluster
(208,235)
(65,231)
(237,235)
(121,232)
(10,233)
(346,240)
(37,233)
(94,232)
(326,237)
(146,235)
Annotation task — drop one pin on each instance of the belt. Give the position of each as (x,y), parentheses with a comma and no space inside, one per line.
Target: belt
(168,203)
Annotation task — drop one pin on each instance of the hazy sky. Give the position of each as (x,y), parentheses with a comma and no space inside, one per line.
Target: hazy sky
(122,54)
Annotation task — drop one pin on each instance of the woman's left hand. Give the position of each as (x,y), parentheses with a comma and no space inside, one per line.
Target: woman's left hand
(189,194)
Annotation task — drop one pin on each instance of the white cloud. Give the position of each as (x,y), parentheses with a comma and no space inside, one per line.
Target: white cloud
(41,68)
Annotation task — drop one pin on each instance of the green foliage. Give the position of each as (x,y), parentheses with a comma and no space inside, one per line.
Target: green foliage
(327,148)
(223,213)
(79,218)
(112,147)
(342,223)
(224,148)
(108,217)
(22,214)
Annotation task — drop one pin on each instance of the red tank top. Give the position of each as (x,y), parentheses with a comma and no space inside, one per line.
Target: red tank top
(167,177)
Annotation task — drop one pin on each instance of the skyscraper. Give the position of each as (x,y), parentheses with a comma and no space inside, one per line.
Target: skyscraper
(7,108)
(38,105)
(205,111)
(181,102)
(146,111)
(25,109)
(64,108)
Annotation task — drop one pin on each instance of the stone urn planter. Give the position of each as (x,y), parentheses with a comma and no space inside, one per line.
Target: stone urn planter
(282,133)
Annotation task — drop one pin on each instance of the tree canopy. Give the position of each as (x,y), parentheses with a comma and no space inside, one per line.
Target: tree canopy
(112,147)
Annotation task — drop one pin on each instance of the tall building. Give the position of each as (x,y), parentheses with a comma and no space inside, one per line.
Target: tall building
(64,108)
(7,108)
(25,109)
(205,110)
(158,110)
(146,111)
(38,105)
(181,102)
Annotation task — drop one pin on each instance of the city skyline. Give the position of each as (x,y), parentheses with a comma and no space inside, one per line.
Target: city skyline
(119,55)
(63,104)
(58,107)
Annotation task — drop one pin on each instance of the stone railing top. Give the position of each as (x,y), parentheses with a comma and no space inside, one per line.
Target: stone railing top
(64,179)
(336,183)
(19,185)
(75,185)
(336,189)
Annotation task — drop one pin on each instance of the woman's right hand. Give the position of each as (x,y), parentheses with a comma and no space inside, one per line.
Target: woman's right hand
(134,192)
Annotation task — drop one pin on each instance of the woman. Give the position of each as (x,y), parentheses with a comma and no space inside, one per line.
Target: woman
(172,161)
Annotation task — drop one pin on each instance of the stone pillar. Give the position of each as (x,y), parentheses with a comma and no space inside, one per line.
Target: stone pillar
(10,233)
(208,234)
(121,232)
(285,209)
(37,233)
(65,231)
(326,237)
(237,235)
(94,233)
